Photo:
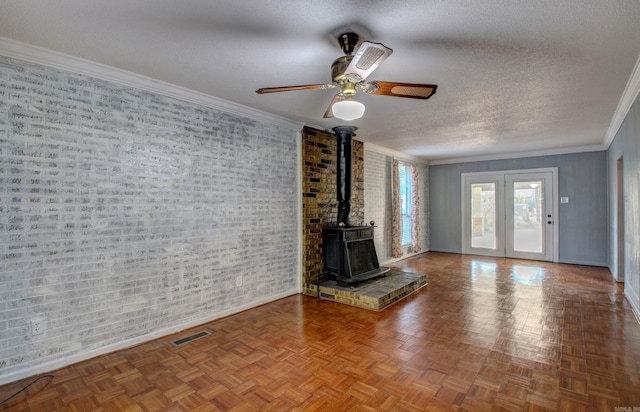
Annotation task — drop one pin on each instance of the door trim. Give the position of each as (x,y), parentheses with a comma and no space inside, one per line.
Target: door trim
(620,198)
(556,202)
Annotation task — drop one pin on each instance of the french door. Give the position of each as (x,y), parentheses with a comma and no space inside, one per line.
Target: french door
(510,214)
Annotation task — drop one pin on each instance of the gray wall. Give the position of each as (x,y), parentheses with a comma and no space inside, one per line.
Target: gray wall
(627,145)
(126,213)
(583,222)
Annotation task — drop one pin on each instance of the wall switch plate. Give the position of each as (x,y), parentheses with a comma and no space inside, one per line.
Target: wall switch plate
(564,200)
(238,281)
(38,326)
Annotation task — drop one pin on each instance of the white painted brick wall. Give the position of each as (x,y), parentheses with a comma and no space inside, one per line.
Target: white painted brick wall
(423,171)
(377,200)
(124,212)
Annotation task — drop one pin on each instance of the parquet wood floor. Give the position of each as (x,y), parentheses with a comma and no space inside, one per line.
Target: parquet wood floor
(485,335)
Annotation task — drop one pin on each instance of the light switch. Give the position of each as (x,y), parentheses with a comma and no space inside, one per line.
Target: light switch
(564,200)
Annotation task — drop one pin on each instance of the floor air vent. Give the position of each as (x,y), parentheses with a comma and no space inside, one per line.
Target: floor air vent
(191,338)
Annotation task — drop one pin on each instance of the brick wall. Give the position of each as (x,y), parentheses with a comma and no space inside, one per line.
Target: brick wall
(377,199)
(423,171)
(320,204)
(124,212)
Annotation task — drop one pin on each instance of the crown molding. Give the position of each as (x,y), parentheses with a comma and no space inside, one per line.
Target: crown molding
(38,55)
(536,153)
(394,153)
(629,96)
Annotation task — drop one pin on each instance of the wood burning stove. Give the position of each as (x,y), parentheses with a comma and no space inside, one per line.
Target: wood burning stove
(349,251)
(349,254)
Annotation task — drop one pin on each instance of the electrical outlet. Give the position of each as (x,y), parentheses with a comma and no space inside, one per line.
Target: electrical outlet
(38,326)
(238,281)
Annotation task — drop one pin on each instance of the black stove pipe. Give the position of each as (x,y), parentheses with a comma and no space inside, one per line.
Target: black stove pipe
(344,135)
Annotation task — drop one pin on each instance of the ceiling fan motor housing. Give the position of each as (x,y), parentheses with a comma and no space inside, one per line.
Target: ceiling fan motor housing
(338,77)
(338,67)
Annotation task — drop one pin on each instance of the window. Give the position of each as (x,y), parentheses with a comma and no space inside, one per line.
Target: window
(406,183)
(405,209)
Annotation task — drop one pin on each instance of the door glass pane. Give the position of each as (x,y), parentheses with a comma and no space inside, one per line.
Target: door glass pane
(528,222)
(483,215)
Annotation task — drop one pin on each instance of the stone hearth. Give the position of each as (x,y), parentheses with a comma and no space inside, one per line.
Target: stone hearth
(374,294)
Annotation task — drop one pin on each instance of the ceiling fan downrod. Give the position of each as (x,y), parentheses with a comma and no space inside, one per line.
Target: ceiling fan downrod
(348,42)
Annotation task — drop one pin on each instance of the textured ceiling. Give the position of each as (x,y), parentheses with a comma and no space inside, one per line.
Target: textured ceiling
(512,75)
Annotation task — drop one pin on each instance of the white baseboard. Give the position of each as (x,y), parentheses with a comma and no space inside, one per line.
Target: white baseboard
(634,301)
(458,252)
(52,365)
(584,263)
(408,255)
(614,274)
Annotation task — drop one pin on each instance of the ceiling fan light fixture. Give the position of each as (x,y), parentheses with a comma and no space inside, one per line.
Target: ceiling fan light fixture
(348,109)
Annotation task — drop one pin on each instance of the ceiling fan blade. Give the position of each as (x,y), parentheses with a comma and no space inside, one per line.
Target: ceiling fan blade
(329,113)
(367,58)
(292,88)
(409,90)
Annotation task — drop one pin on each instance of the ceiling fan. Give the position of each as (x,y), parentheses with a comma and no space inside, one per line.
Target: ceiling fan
(350,73)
